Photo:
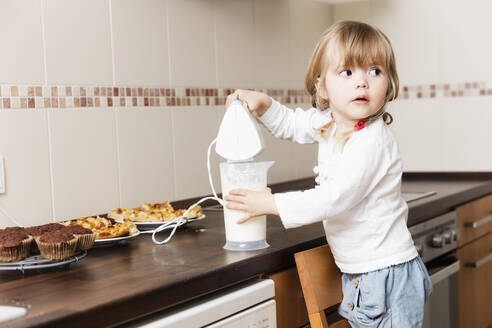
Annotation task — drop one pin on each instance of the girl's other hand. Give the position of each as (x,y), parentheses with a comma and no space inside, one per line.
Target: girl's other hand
(254,203)
(257,102)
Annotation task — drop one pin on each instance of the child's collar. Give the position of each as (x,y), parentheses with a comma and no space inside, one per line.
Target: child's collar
(358,126)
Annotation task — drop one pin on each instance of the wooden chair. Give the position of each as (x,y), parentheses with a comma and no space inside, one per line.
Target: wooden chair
(321,285)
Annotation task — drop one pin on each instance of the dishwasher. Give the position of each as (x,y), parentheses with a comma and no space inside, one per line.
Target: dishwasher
(248,305)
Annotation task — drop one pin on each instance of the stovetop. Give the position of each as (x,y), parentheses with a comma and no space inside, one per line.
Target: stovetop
(414,195)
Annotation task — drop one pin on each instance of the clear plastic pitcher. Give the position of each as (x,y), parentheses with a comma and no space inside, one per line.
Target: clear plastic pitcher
(250,235)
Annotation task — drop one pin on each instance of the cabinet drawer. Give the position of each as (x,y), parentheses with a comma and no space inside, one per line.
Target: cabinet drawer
(291,308)
(474,219)
(475,283)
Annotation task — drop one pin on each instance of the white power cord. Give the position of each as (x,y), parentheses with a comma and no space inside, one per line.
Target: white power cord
(10,218)
(174,224)
(210,180)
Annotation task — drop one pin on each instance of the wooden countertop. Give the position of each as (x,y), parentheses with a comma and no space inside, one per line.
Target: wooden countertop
(115,284)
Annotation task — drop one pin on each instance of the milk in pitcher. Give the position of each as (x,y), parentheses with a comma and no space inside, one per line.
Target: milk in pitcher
(252,233)
(252,230)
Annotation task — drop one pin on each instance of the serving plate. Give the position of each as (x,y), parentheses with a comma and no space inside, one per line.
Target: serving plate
(113,241)
(150,226)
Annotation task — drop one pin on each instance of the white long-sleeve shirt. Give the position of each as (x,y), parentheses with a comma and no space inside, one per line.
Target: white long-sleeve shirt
(358,191)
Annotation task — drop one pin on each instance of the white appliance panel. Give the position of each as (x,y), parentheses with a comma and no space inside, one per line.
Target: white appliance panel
(211,309)
(259,316)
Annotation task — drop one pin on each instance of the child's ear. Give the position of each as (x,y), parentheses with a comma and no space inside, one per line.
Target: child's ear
(317,84)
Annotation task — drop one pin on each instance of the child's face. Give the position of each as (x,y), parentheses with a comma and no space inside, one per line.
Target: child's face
(355,92)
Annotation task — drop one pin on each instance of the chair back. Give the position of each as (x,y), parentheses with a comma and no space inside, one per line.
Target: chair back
(321,285)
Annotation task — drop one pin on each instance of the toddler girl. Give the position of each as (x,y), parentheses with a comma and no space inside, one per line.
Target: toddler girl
(351,77)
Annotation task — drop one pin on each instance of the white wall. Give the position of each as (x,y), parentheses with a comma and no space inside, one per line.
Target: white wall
(66,163)
(437,42)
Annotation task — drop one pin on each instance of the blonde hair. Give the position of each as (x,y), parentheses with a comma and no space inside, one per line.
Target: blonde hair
(357,44)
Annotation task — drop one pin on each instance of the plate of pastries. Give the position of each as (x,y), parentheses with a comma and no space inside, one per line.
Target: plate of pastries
(108,231)
(150,216)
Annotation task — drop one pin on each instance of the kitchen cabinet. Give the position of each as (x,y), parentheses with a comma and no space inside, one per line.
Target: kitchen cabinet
(475,283)
(291,309)
(474,219)
(475,256)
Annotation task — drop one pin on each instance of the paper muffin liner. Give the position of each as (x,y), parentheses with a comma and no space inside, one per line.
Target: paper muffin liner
(85,241)
(16,253)
(58,251)
(34,244)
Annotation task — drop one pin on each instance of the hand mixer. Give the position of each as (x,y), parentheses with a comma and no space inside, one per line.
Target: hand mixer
(239,140)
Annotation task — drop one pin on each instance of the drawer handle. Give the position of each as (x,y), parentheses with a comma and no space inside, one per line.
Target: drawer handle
(479,223)
(480,262)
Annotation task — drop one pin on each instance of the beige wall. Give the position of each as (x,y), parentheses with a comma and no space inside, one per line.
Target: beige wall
(65,163)
(437,42)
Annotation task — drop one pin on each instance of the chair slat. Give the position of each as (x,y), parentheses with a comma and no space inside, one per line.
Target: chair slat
(319,273)
(321,285)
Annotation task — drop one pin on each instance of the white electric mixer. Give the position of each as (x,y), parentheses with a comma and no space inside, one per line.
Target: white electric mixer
(238,141)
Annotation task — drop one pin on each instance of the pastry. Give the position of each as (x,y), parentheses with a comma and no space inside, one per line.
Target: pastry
(104,228)
(36,231)
(15,244)
(157,212)
(57,245)
(85,237)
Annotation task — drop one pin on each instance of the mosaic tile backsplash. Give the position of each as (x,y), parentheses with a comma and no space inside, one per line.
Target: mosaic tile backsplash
(23,96)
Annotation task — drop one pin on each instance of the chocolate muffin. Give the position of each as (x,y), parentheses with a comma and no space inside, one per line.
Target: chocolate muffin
(85,237)
(15,244)
(10,229)
(37,231)
(57,245)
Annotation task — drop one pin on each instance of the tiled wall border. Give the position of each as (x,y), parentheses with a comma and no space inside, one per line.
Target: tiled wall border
(25,96)
(22,96)
(445,90)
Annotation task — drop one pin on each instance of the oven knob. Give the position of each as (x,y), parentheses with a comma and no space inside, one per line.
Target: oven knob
(437,241)
(454,235)
(447,237)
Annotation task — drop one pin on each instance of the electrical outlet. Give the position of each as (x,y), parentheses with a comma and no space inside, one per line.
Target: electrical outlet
(2,175)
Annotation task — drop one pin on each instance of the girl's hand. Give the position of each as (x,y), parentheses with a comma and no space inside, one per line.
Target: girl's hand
(255,101)
(254,203)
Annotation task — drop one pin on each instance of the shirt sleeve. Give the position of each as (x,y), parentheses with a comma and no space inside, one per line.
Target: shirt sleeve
(297,125)
(361,168)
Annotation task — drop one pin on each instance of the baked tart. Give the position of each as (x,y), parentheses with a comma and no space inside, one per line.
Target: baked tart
(157,212)
(104,228)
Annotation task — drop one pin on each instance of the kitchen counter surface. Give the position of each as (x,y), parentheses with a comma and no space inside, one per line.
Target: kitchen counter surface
(115,284)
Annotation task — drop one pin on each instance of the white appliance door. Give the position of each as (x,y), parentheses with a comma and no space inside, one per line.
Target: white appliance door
(441,309)
(238,301)
(260,316)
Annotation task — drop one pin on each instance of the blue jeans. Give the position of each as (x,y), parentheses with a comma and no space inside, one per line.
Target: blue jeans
(389,297)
